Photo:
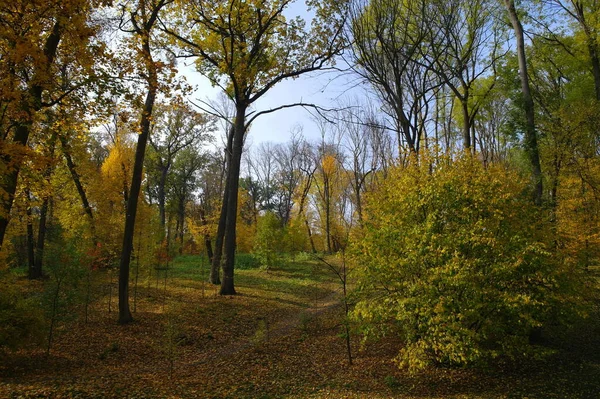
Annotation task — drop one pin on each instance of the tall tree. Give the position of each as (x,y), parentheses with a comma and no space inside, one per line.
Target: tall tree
(531,142)
(464,44)
(387,42)
(35,272)
(357,139)
(288,175)
(262,165)
(176,127)
(34,34)
(142,21)
(246,48)
(215,267)
(586,13)
(308,168)
(327,182)
(183,183)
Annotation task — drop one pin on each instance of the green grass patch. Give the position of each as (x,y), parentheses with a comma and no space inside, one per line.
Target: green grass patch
(246,262)
(293,282)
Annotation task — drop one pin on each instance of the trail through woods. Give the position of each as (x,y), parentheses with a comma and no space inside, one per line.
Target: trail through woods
(280,338)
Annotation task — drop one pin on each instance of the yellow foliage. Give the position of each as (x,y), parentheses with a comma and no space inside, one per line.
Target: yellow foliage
(457,256)
(578,215)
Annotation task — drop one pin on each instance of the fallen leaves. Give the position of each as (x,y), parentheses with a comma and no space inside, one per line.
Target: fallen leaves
(278,339)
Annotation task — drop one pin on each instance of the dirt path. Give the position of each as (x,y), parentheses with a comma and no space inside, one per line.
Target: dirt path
(274,329)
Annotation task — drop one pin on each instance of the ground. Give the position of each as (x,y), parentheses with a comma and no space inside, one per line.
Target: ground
(280,337)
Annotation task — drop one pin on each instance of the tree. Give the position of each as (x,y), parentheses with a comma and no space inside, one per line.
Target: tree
(216,263)
(530,134)
(491,123)
(262,164)
(39,39)
(288,176)
(143,19)
(328,183)
(211,191)
(358,140)
(586,15)
(36,264)
(269,240)
(175,128)
(464,44)
(387,40)
(307,167)
(184,181)
(246,48)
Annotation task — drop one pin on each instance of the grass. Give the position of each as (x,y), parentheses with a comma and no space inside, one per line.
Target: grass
(279,338)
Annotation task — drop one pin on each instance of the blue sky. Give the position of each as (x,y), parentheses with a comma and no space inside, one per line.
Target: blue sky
(323,89)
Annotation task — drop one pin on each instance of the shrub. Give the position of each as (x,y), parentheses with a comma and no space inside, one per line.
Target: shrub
(246,261)
(21,318)
(270,240)
(66,265)
(452,257)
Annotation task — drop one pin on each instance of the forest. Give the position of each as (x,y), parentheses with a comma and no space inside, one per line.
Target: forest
(434,232)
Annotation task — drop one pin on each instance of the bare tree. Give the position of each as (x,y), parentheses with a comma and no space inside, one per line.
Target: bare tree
(361,161)
(307,168)
(288,175)
(463,44)
(387,39)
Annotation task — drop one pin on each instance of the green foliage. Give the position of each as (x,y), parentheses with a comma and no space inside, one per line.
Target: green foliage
(452,258)
(296,240)
(64,292)
(269,242)
(246,261)
(21,319)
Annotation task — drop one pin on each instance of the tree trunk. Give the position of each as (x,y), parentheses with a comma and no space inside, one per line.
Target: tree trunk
(207,242)
(310,237)
(595,59)
(474,137)
(125,187)
(161,198)
(466,125)
(303,214)
(42,228)
(327,199)
(233,180)
(592,45)
(180,222)
(531,146)
(215,266)
(136,181)
(41,239)
(33,272)
(80,190)
(358,192)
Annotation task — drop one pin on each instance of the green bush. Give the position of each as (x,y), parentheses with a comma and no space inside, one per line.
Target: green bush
(21,317)
(269,242)
(452,258)
(64,292)
(246,261)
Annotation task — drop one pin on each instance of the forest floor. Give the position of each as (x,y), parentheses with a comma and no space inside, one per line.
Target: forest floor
(280,337)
